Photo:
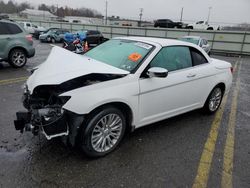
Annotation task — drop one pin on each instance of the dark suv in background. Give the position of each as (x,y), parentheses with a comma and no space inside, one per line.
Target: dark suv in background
(15,44)
(166,23)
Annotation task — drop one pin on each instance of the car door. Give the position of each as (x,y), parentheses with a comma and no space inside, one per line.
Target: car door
(177,93)
(200,25)
(4,40)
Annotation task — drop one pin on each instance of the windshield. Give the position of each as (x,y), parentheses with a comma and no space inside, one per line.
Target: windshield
(192,40)
(123,54)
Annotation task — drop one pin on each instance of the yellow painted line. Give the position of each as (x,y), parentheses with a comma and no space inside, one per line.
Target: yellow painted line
(208,151)
(227,173)
(203,171)
(13,80)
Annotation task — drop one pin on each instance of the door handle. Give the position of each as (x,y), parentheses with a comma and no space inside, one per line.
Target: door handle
(191,75)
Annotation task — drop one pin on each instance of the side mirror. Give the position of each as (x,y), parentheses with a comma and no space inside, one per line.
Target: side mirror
(157,72)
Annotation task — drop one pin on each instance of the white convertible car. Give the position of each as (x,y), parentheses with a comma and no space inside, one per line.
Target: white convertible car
(122,84)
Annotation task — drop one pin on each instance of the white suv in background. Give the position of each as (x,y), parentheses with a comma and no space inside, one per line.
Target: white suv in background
(31,28)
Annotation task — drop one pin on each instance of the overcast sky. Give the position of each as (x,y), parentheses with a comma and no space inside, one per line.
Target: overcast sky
(229,11)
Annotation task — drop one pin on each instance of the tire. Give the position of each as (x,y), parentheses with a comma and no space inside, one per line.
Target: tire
(210,28)
(53,40)
(95,134)
(190,27)
(17,58)
(213,101)
(48,39)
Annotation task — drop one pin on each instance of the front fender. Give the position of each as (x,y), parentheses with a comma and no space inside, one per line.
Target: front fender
(86,99)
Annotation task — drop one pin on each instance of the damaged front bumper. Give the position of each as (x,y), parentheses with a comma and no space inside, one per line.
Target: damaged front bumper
(42,121)
(50,119)
(67,125)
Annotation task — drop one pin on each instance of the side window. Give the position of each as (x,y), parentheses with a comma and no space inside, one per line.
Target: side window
(198,57)
(4,29)
(204,42)
(28,24)
(14,29)
(173,58)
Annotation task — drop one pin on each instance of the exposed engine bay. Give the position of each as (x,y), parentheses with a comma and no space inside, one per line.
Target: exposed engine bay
(45,113)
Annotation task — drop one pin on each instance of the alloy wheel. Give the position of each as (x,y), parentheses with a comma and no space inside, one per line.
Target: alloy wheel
(106,132)
(18,58)
(215,99)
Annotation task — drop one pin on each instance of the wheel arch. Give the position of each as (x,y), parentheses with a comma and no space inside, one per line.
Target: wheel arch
(123,107)
(17,47)
(221,85)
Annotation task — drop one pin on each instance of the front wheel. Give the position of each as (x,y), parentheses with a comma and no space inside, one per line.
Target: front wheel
(53,40)
(17,58)
(48,39)
(213,101)
(103,132)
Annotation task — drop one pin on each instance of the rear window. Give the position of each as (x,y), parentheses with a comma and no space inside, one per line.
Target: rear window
(93,32)
(14,29)
(9,28)
(191,40)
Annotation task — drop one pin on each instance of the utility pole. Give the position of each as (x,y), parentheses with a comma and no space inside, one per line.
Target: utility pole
(106,15)
(141,10)
(181,14)
(209,11)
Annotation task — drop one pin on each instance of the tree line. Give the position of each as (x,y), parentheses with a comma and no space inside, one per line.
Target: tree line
(12,7)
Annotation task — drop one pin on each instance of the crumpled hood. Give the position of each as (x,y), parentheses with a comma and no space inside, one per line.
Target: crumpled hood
(62,65)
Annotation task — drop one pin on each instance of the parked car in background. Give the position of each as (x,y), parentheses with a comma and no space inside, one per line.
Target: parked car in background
(16,45)
(91,36)
(203,43)
(53,35)
(4,16)
(38,33)
(122,84)
(31,28)
(167,23)
(203,26)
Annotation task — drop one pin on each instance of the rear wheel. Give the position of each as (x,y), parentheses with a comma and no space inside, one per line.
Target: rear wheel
(103,132)
(17,58)
(213,101)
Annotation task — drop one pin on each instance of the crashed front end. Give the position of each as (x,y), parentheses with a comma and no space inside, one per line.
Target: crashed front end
(44,93)
(44,112)
(44,108)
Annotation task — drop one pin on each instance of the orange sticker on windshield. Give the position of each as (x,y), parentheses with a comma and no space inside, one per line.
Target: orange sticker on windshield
(134,57)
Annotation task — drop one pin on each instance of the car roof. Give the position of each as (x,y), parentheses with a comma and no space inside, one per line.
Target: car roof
(7,21)
(158,41)
(193,37)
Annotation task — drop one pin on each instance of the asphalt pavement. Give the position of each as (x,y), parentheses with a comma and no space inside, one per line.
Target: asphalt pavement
(190,150)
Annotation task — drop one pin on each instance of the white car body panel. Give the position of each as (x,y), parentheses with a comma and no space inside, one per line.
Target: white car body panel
(150,99)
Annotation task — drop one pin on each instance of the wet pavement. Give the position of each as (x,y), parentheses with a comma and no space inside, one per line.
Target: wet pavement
(164,154)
